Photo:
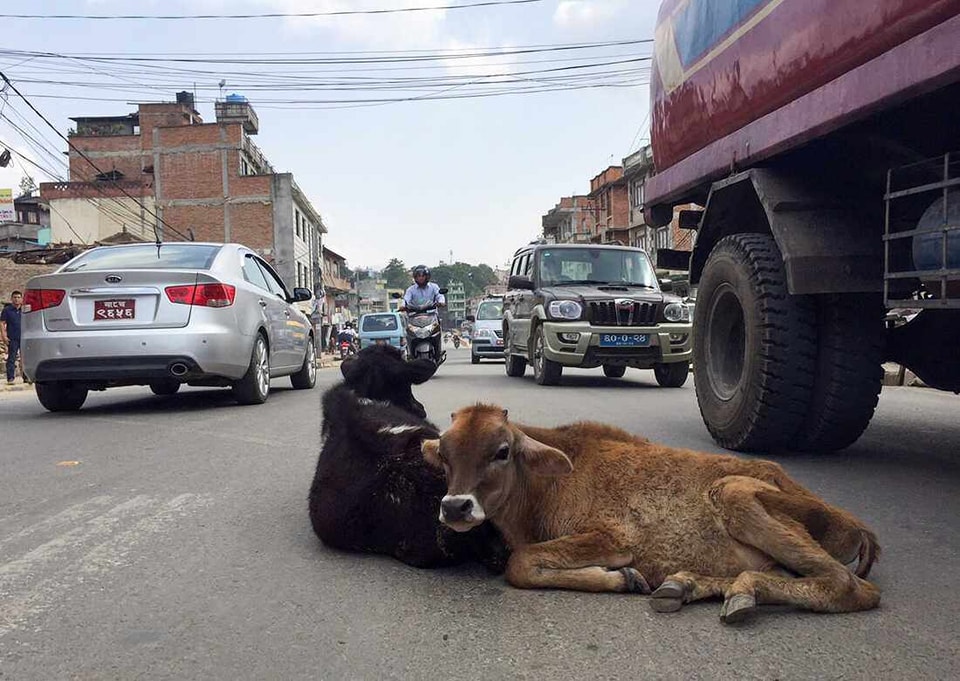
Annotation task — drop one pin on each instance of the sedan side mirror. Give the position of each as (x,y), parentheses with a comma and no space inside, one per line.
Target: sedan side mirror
(301,294)
(443,291)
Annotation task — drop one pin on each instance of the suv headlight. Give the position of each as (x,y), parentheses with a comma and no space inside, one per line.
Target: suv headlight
(565,309)
(676,312)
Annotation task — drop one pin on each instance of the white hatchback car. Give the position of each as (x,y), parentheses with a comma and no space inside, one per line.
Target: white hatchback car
(138,314)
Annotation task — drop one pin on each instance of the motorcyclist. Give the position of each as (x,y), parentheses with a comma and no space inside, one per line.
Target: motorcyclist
(422,292)
(348,335)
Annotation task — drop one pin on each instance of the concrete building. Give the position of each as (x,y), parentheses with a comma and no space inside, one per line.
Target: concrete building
(30,227)
(456,311)
(573,220)
(608,190)
(637,168)
(162,168)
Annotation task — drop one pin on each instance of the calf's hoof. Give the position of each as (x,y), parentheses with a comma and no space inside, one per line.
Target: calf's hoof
(633,581)
(737,608)
(668,597)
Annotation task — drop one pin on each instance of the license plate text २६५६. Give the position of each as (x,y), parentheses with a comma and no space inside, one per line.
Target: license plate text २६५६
(624,340)
(124,308)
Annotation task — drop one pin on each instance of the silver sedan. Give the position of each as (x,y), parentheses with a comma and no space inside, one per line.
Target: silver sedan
(184,312)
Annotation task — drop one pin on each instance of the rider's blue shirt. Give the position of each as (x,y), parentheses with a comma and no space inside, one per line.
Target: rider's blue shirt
(419,296)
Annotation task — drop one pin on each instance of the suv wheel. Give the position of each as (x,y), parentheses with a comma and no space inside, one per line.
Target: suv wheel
(671,375)
(545,371)
(614,371)
(61,396)
(515,365)
(474,358)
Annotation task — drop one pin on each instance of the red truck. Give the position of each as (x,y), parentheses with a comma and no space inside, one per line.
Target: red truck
(817,136)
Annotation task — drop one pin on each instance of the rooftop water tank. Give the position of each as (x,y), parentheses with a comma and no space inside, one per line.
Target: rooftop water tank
(235,98)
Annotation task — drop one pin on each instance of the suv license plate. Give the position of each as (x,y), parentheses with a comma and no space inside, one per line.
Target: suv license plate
(624,340)
(122,308)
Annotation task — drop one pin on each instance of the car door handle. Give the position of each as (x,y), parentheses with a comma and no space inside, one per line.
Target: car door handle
(263,303)
(286,313)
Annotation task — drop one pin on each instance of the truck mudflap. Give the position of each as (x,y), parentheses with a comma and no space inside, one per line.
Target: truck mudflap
(827,245)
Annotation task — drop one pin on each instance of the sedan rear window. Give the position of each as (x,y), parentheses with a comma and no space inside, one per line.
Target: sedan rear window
(146,257)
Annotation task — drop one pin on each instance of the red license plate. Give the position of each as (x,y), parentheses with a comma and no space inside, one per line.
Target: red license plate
(122,308)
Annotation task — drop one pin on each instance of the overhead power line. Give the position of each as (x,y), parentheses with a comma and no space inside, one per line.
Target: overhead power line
(271,15)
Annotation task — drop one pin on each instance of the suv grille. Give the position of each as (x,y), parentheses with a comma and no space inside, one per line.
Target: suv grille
(609,313)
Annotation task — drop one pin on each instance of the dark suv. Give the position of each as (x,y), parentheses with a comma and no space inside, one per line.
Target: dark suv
(588,306)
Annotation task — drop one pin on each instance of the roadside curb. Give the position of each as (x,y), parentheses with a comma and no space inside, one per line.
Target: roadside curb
(17,387)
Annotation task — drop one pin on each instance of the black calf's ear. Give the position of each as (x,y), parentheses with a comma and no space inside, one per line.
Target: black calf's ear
(348,367)
(420,370)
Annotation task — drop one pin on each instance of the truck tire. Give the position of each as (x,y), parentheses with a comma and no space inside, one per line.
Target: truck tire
(754,346)
(61,395)
(849,372)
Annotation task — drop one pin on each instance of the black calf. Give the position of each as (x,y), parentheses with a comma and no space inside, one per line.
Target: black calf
(372,491)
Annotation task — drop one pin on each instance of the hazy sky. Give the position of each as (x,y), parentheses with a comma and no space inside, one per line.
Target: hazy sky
(414,180)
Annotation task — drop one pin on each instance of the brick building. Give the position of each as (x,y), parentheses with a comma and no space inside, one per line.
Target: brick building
(611,206)
(573,220)
(163,167)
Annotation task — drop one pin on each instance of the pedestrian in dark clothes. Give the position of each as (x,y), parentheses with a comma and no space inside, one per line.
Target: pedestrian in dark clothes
(10,332)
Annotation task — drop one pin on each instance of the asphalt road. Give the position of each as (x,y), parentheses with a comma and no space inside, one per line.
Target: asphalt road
(154,538)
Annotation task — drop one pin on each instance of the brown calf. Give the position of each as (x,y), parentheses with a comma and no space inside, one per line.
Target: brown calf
(592,508)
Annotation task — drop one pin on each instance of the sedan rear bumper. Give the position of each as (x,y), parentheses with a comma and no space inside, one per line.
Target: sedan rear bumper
(119,356)
(118,369)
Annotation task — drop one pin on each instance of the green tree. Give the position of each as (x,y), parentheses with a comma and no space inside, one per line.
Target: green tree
(473,277)
(396,274)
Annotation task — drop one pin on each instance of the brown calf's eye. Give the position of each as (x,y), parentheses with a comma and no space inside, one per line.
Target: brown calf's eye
(502,454)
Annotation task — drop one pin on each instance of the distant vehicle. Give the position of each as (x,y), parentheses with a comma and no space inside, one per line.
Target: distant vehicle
(138,314)
(828,176)
(383,328)
(488,331)
(591,306)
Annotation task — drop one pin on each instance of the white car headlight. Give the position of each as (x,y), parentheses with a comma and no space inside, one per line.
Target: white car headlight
(565,309)
(676,312)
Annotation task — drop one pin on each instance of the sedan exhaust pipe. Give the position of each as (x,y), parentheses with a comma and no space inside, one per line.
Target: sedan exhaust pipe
(179,369)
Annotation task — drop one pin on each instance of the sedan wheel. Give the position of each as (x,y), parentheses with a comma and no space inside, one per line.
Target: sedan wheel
(306,377)
(254,387)
(165,387)
(61,396)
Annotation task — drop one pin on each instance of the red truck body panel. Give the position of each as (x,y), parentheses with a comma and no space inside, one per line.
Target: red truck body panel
(737,81)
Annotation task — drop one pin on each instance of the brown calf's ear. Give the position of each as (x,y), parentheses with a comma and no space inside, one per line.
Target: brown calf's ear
(431,452)
(543,459)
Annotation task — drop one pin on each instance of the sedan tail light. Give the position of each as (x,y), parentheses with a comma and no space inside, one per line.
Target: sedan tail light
(36,299)
(203,295)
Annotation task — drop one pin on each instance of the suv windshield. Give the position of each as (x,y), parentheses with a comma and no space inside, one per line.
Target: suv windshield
(146,257)
(595,266)
(491,309)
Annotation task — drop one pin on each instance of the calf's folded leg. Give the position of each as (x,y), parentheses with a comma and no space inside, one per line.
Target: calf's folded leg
(825,584)
(592,561)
